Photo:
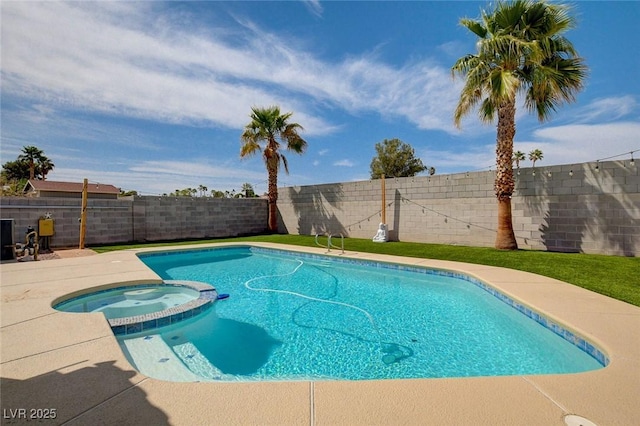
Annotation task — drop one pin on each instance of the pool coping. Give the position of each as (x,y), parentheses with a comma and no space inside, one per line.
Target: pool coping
(36,355)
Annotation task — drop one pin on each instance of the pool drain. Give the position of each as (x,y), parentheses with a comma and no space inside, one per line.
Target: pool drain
(573,420)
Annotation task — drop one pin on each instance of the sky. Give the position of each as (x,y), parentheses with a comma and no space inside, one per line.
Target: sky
(153,96)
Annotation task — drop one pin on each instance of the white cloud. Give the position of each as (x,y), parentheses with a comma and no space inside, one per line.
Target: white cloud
(568,144)
(128,59)
(159,177)
(314,7)
(612,108)
(472,159)
(344,163)
(584,142)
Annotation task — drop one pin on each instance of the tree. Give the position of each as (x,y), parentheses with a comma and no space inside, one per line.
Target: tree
(15,171)
(535,155)
(270,128)
(31,155)
(521,50)
(248,191)
(395,159)
(44,167)
(31,164)
(518,156)
(203,190)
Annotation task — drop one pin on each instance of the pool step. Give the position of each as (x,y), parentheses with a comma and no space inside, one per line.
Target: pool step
(197,362)
(154,358)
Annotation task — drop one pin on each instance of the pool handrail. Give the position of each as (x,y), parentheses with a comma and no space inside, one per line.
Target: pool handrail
(329,244)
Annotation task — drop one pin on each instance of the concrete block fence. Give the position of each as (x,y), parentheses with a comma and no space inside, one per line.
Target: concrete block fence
(568,208)
(138,220)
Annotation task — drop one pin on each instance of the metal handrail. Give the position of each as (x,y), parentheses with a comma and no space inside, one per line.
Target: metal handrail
(329,245)
(320,245)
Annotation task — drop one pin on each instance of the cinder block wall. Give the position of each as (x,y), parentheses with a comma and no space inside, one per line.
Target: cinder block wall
(584,211)
(138,220)
(166,218)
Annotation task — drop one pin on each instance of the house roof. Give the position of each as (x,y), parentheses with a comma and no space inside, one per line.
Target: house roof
(93,188)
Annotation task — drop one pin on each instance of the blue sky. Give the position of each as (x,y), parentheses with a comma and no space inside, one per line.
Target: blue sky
(153,96)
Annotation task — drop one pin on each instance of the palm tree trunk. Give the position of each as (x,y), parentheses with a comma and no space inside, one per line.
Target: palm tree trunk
(272,190)
(504,184)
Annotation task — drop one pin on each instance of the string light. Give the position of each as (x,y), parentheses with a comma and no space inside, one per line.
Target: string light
(597,165)
(571,172)
(632,162)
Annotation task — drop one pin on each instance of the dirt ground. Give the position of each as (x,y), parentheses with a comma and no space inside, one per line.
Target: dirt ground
(61,254)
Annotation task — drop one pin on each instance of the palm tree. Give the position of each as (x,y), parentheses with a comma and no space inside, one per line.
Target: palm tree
(203,189)
(521,50)
(45,165)
(518,156)
(535,155)
(248,191)
(271,128)
(31,155)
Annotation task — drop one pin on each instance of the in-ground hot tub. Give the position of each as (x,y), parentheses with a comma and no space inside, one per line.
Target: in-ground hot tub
(134,308)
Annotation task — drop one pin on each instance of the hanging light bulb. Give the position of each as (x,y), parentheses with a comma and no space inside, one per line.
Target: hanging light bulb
(571,172)
(533,173)
(518,172)
(549,173)
(598,166)
(632,162)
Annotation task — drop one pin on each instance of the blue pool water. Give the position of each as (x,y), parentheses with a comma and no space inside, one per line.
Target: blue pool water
(130,301)
(292,316)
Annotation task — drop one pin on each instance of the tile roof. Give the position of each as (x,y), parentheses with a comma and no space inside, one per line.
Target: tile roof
(93,188)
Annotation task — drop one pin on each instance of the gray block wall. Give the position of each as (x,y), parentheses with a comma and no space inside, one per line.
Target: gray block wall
(569,208)
(139,219)
(584,211)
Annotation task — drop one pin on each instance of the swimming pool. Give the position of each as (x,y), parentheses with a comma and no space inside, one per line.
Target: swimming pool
(294,316)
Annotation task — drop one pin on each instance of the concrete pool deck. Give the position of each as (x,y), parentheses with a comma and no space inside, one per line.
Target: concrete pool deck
(71,365)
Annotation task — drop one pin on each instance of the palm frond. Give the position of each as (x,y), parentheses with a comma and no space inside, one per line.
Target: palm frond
(474,26)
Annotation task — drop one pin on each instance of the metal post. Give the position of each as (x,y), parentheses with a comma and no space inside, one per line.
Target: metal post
(384,201)
(83,216)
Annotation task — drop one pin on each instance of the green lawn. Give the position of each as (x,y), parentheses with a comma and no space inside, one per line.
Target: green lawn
(614,276)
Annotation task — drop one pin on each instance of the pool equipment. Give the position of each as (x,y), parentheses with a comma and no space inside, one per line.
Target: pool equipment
(222,296)
(30,247)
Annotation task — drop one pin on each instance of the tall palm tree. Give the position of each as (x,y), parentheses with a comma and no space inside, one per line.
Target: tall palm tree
(271,128)
(31,155)
(521,50)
